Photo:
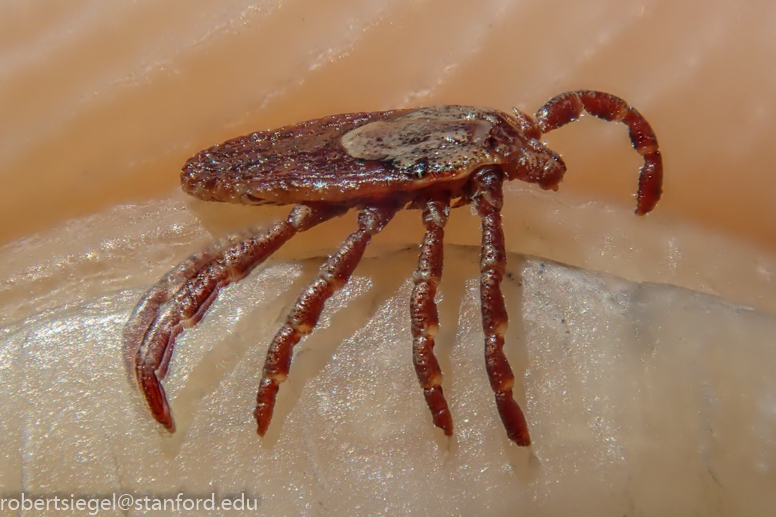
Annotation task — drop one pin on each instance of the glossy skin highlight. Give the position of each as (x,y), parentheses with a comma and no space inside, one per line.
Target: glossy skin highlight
(380,162)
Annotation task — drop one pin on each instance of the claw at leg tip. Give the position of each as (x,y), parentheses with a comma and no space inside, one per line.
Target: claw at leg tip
(262,421)
(165,419)
(521,438)
(167,422)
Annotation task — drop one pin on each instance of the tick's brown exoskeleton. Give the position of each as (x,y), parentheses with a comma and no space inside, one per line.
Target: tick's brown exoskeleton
(380,162)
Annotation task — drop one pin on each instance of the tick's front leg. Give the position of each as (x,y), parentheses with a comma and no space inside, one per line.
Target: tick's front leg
(488,200)
(567,107)
(304,316)
(182,297)
(423,310)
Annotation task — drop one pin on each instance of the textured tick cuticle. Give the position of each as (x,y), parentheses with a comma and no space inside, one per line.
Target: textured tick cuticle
(430,159)
(441,138)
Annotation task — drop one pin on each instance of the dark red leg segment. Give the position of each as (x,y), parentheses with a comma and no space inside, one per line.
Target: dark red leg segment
(304,316)
(182,297)
(488,200)
(423,310)
(567,107)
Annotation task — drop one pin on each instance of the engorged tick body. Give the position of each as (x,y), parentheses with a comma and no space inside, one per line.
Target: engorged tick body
(379,162)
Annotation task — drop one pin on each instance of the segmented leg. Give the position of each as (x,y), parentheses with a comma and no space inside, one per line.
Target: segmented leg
(488,200)
(567,107)
(182,297)
(304,316)
(423,310)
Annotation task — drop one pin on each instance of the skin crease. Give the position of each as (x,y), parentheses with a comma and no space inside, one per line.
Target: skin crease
(103,104)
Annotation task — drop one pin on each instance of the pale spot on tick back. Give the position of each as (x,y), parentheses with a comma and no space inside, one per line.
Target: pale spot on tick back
(435,140)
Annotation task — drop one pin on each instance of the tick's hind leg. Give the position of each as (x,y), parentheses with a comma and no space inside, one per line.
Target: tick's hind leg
(182,297)
(488,200)
(423,310)
(567,107)
(304,316)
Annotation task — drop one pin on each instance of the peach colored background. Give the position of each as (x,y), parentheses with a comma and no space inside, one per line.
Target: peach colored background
(101,103)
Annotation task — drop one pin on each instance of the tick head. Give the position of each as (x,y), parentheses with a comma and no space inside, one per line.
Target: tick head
(537,164)
(533,162)
(525,158)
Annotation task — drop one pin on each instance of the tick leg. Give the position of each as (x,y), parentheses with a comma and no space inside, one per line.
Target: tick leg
(423,310)
(488,200)
(567,107)
(182,297)
(304,316)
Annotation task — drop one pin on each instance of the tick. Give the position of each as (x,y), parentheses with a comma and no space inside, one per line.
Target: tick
(430,159)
